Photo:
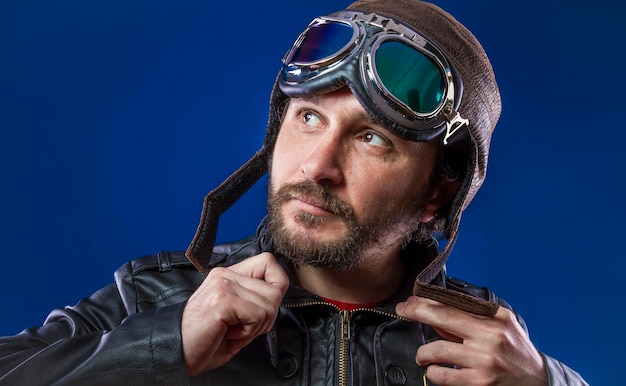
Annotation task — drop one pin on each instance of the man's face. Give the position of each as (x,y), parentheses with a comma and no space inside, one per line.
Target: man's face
(343,187)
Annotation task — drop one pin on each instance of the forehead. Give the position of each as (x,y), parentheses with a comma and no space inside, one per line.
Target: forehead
(343,96)
(348,101)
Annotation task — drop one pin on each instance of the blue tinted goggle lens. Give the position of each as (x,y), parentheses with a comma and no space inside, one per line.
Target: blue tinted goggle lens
(409,76)
(322,41)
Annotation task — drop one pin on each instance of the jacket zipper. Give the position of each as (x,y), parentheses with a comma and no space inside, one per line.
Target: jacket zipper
(345,333)
(344,346)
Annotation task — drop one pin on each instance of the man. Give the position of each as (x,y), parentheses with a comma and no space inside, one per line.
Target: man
(377,141)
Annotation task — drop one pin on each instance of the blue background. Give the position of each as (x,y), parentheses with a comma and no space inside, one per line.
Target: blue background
(116,118)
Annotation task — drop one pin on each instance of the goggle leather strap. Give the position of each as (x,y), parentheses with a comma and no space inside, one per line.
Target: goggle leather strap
(219,200)
(455,299)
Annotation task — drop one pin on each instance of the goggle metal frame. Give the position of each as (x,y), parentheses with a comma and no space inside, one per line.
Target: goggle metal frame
(369,31)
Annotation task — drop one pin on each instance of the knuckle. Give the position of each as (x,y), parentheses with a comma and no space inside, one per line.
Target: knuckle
(277,294)
(448,315)
(216,274)
(439,374)
(440,350)
(498,338)
(432,352)
(258,313)
(266,257)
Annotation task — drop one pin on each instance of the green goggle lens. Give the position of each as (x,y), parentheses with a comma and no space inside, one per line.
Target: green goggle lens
(409,76)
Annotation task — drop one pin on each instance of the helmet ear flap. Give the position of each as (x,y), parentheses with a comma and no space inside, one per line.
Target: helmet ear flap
(219,200)
(228,192)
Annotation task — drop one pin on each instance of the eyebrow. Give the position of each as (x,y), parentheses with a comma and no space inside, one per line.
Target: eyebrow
(313,98)
(363,115)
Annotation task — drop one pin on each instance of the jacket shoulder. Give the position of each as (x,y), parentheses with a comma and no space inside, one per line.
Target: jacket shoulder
(223,255)
(168,277)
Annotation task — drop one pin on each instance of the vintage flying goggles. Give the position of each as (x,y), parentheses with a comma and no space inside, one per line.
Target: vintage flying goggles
(397,74)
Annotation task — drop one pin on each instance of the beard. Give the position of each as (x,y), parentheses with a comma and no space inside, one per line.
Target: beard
(346,252)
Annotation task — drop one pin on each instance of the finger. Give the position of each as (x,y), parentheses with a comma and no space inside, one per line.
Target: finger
(235,345)
(448,336)
(450,353)
(230,299)
(274,273)
(234,298)
(254,290)
(254,305)
(262,281)
(452,320)
(450,376)
(263,267)
(228,311)
(259,273)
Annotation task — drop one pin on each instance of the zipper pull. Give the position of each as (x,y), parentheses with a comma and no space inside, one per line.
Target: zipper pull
(345,324)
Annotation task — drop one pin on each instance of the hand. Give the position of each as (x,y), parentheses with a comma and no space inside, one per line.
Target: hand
(233,306)
(485,351)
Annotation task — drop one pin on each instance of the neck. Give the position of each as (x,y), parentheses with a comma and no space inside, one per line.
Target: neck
(373,280)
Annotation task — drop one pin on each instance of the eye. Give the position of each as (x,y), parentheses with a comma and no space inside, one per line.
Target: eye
(374,139)
(311,119)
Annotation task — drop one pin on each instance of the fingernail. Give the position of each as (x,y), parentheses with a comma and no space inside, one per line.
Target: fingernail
(400,306)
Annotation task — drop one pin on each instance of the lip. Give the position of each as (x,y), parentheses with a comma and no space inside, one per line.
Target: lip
(311,206)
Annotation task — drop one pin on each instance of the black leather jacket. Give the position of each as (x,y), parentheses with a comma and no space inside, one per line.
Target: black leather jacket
(128,333)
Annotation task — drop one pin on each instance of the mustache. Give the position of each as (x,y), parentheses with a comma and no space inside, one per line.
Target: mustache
(317,195)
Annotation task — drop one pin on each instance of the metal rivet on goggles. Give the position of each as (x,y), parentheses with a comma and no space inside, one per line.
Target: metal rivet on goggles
(394,71)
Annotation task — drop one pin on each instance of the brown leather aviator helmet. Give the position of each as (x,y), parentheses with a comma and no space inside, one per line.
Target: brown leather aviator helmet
(479,103)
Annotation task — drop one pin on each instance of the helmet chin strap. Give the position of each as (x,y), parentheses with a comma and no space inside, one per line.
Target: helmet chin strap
(459,300)
(218,201)
(422,286)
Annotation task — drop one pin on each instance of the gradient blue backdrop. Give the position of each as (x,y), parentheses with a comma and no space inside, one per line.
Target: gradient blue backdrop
(116,117)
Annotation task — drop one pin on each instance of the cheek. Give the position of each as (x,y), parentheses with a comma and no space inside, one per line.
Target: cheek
(284,162)
(387,191)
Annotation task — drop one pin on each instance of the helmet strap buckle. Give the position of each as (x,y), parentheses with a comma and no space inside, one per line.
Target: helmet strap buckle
(454,122)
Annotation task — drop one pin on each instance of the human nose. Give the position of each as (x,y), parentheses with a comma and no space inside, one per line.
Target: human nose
(322,164)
